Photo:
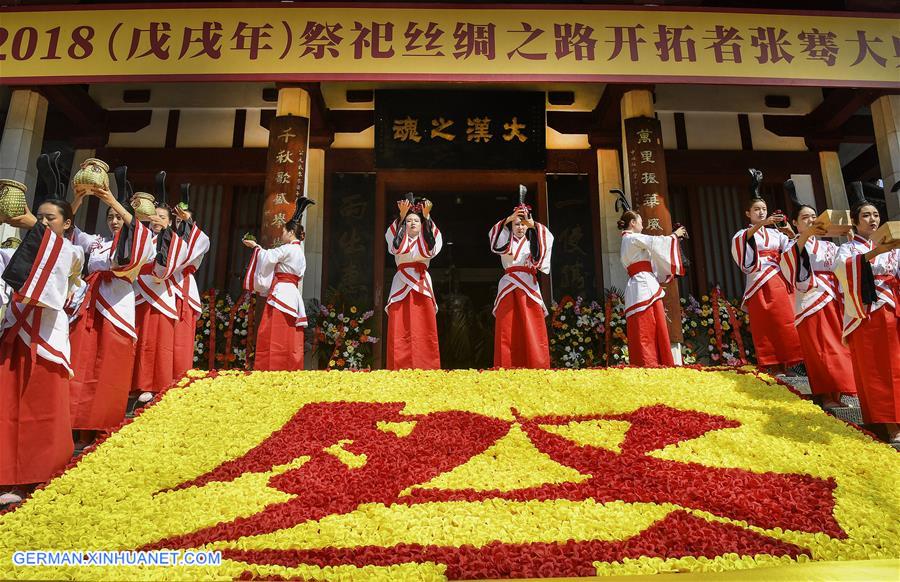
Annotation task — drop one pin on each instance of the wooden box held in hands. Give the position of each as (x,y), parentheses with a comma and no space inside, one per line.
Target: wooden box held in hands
(835,222)
(889,232)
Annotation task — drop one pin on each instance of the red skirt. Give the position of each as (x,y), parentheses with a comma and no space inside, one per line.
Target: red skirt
(185,332)
(648,337)
(35,426)
(875,346)
(520,334)
(103,361)
(279,342)
(155,360)
(828,362)
(412,339)
(772,324)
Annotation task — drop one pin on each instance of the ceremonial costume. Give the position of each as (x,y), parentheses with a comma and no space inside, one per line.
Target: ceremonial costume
(818,313)
(412,339)
(767,296)
(196,244)
(650,262)
(156,314)
(103,333)
(277,274)
(520,333)
(870,326)
(35,363)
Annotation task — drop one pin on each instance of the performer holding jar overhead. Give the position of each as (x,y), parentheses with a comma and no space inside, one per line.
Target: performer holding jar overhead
(277,274)
(103,333)
(651,261)
(413,239)
(868,275)
(524,246)
(35,363)
(767,296)
(807,264)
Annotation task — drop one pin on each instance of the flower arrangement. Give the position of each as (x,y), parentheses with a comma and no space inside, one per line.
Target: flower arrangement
(225,328)
(342,339)
(465,474)
(580,337)
(716,331)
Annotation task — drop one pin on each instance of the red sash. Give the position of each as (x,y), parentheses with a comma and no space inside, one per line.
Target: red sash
(639,267)
(771,254)
(284,278)
(520,269)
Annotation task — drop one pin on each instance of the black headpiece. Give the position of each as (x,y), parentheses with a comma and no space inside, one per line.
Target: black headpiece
(521,205)
(791,189)
(756,178)
(124,191)
(895,187)
(302,203)
(864,193)
(185,196)
(54,178)
(622,204)
(159,187)
(416,204)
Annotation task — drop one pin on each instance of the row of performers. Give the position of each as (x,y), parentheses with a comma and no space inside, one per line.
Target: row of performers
(835,308)
(87,322)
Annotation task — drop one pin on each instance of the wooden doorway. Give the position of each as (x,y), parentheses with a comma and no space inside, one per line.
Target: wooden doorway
(467,204)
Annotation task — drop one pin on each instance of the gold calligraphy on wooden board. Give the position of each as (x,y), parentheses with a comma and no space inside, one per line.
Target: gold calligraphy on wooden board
(646,164)
(285,174)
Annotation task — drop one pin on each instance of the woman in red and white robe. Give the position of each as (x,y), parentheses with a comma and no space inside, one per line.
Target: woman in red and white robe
(35,363)
(520,333)
(277,275)
(767,297)
(651,261)
(103,335)
(186,291)
(156,311)
(412,339)
(868,277)
(808,263)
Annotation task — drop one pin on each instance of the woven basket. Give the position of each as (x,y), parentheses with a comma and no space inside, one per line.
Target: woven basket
(12,199)
(94,173)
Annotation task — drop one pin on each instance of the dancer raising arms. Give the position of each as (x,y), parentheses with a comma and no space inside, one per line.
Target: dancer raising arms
(413,239)
(520,333)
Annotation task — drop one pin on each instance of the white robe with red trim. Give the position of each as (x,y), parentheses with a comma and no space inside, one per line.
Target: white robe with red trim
(285,297)
(757,267)
(158,286)
(412,250)
(116,296)
(54,275)
(662,252)
(814,284)
(516,252)
(196,246)
(848,268)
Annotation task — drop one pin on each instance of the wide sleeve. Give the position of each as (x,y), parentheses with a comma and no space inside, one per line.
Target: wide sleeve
(30,270)
(796,267)
(541,241)
(196,242)
(261,270)
(87,242)
(170,253)
(431,235)
(500,236)
(857,280)
(132,249)
(665,255)
(743,251)
(394,235)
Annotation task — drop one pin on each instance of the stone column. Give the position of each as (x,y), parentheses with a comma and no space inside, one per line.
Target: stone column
(609,176)
(833,177)
(287,160)
(20,146)
(886,119)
